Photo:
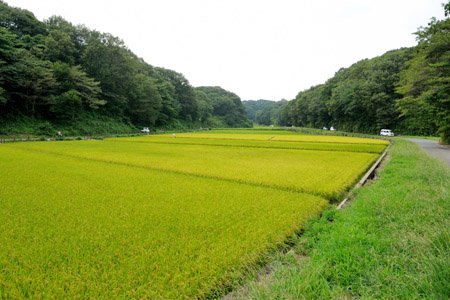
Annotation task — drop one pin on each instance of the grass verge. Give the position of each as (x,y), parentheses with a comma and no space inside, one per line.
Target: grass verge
(391,243)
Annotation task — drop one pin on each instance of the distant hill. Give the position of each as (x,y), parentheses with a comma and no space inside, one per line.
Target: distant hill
(265,112)
(226,108)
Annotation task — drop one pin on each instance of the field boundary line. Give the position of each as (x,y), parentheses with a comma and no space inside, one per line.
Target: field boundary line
(363,179)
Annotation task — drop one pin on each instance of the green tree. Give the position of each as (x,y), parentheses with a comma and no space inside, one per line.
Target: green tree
(265,112)
(204,104)
(67,105)
(426,82)
(170,107)
(227,106)
(3,98)
(184,93)
(145,101)
(8,54)
(75,86)
(107,60)
(30,82)
(59,47)
(20,21)
(360,98)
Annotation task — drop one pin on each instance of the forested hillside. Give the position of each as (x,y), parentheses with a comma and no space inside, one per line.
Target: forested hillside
(225,107)
(407,90)
(360,98)
(56,75)
(265,112)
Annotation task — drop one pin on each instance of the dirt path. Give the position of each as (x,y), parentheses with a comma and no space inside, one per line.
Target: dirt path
(434,149)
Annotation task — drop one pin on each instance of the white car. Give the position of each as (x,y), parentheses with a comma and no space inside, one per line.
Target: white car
(145,130)
(386,132)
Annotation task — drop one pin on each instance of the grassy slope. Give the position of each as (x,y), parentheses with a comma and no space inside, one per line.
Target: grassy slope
(88,125)
(392,242)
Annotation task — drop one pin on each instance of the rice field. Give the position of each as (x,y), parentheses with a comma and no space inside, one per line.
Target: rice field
(149,217)
(261,143)
(275,136)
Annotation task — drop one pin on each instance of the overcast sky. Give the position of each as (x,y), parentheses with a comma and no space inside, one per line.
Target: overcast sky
(258,49)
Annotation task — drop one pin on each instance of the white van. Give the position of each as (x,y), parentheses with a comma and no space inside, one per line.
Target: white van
(386,132)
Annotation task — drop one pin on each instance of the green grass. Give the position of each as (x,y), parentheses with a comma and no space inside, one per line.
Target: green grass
(87,124)
(433,138)
(391,243)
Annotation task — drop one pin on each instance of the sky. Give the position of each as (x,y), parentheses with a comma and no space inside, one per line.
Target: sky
(258,49)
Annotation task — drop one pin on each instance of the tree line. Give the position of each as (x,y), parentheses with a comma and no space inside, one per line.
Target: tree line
(61,73)
(407,90)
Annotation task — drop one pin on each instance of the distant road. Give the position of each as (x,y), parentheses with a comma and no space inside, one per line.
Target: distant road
(434,149)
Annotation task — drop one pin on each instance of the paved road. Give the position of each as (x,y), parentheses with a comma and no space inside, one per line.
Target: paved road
(434,149)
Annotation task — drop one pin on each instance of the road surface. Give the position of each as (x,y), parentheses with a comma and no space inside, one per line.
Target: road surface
(434,149)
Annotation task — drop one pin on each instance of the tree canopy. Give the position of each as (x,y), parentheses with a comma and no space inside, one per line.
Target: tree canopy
(425,83)
(226,107)
(59,72)
(265,112)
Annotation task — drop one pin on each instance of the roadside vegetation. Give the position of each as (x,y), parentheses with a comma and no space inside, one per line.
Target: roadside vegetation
(392,242)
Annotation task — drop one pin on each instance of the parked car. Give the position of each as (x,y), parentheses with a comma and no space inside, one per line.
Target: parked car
(332,128)
(145,130)
(386,132)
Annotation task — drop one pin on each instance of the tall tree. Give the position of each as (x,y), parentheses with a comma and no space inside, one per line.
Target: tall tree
(59,47)
(75,92)
(427,80)
(145,101)
(184,93)
(108,61)
(205,108)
